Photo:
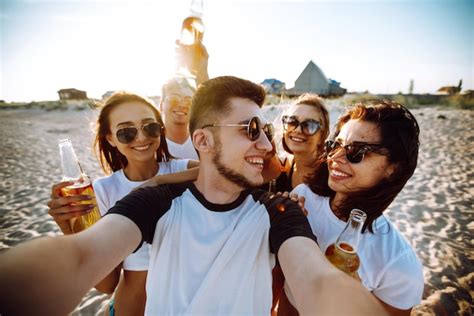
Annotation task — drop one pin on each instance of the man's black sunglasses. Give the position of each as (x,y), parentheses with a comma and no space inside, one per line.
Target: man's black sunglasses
(356,151)
(308,127)
(126,135)
(253,128)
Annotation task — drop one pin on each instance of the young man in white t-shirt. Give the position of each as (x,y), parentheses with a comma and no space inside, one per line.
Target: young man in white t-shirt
(176,95)
(175,104)
(214,241)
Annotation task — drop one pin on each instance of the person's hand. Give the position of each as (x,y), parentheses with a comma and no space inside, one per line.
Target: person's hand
(63,208)
(295,198)
(194,58)
(272,167)
(357,277)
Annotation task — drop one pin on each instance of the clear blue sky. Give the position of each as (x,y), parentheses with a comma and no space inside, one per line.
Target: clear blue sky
(101,45)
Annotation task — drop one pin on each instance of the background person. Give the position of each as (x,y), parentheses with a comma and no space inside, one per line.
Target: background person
(372,155)
(175,105)
(305,126)
(176,97)
(130,142)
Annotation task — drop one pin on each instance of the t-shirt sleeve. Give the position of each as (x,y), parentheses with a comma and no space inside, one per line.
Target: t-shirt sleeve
(402,282)
(144,207)
(286,220)
(101,197)
(178,165)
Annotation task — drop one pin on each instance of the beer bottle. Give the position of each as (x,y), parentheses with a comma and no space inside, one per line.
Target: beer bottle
(72,171)
(192,29)
(343,253)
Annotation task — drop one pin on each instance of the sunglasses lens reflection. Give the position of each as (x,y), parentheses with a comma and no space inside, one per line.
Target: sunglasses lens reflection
(308,127)
(269,131)
(127,134)
(354,153)
(254,129)
(152,130)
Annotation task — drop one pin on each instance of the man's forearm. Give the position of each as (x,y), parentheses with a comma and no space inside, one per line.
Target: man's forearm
(320,288)
(33,276)
(50,275)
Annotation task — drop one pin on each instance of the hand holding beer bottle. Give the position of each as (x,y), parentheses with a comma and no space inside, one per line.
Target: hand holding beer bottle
(77,206)
(343,253)
(191,54)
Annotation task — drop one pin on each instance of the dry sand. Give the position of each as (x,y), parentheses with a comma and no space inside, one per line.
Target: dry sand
(434,211)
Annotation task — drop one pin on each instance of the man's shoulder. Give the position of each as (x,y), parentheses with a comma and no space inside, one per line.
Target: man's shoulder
(173,189)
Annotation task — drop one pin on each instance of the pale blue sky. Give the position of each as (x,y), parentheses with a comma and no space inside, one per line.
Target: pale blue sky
(101,45)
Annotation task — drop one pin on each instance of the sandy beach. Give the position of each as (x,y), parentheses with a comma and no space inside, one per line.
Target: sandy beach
(434,211)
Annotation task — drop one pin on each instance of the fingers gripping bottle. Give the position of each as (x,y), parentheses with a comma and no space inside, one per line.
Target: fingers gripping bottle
(72,171)
(343,253)
(192,30)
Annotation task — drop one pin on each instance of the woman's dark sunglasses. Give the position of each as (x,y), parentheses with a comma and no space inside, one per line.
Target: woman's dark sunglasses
(253,128)
(127,134)
(308,127)
(356,151)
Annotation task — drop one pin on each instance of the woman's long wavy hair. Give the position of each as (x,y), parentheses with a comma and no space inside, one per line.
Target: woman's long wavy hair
(109,156)
(399,133)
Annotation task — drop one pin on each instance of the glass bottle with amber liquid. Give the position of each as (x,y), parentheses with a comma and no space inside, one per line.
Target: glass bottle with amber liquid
(192,30)
(72,171)
(343,253)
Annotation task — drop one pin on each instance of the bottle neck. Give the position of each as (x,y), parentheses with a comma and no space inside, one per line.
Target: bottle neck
(352,232)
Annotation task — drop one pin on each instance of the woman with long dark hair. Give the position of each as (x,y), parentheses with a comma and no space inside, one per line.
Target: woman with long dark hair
(131,146)
(370,157)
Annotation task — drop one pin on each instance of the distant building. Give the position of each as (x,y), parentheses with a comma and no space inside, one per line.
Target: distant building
(273,86)
(72,94)
(451,90)
(107,94)
(335,88)
(313,80)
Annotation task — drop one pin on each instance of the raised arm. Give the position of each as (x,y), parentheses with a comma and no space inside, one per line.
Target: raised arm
(50,275)
(319,287)
(195,58)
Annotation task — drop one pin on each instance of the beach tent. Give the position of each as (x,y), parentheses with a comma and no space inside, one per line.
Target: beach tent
(313,80)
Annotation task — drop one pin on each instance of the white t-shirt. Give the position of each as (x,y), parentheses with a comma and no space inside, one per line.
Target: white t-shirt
(113,188)
(206,258)
(185,150)
(389,267)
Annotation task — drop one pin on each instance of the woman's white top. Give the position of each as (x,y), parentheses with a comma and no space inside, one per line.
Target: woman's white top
(110,189)
(389,267)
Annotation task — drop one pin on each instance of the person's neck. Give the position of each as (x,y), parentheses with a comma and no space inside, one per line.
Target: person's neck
(141,171)
(215,188)
(334,202)
(177,133)
(303,166)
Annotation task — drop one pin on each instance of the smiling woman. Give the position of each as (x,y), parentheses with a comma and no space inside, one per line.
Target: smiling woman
(131,144)
(369,159)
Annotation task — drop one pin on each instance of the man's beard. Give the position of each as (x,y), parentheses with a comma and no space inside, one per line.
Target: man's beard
(228,173)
